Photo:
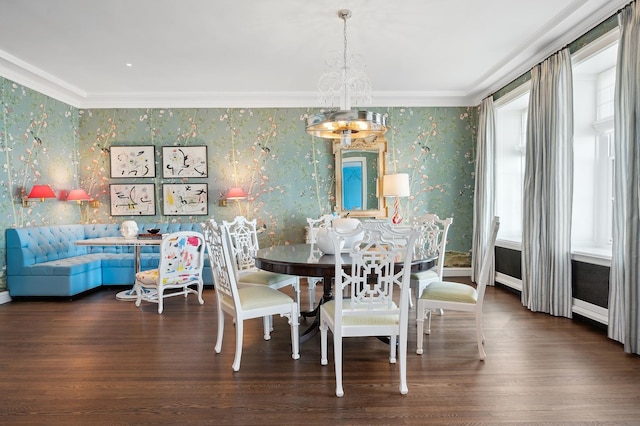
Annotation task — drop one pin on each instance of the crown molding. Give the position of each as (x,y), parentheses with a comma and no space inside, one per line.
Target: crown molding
(25,74)
(580,16)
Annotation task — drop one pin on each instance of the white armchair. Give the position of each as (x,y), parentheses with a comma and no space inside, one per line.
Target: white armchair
(181,263)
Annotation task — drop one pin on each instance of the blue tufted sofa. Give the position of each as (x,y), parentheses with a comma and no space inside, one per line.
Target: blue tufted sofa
(45,261)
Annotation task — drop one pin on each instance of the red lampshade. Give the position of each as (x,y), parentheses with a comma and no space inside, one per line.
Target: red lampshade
(42,192)
(78,195)
(236,193)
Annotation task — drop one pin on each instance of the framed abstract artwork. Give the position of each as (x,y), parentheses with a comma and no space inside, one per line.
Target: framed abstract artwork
(133,199)
(133,161)
(181,199)
(184,161)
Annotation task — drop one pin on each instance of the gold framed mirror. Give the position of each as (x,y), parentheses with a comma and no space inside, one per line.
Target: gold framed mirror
(359,169)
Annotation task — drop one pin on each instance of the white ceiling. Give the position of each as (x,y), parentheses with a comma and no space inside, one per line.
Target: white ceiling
(259,53)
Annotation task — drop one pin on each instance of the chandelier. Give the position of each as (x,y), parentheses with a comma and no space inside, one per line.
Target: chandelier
(345,82)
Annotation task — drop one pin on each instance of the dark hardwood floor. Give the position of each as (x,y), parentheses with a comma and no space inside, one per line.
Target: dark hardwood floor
(96,360)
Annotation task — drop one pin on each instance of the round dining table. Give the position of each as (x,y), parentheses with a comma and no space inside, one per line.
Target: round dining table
(306,260)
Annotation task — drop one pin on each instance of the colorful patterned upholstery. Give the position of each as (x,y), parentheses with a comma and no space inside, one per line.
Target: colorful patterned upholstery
(181,264)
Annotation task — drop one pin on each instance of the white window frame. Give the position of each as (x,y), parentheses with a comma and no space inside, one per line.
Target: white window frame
(517,102)
(596,249)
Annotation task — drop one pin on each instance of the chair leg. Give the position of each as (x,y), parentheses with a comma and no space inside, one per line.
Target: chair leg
(239,336)
(420,328)
(266,321)
(221,314)
(402,360)
(480,336)
(138,289)
(160,299)
(294,322)
(296,289)
(200,288)
(312,292)
(337,360)
(323,342)
(392,348)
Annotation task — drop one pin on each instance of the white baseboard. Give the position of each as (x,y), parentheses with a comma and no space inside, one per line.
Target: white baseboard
(4,297)
(457,272)
(591,311)
(509,281)
(580,307)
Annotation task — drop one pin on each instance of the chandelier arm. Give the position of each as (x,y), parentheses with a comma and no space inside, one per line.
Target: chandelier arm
(345,124)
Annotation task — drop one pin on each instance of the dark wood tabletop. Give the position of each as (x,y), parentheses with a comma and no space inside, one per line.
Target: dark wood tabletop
(305,260)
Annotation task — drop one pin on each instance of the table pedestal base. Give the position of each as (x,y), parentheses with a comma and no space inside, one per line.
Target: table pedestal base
(129,295)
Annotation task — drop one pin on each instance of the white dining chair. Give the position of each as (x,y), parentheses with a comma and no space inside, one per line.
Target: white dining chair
(373,306)
(433,241)
(244,303)
(243,239)
(314,225)
(458,296)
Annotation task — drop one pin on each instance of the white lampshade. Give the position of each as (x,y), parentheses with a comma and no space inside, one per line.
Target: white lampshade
(396,185)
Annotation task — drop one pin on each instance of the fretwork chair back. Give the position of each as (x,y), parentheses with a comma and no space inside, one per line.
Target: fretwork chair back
(323,221)
(433,242)
(180,267)
(458,296)
(246,302)
(243,239)
(378,295)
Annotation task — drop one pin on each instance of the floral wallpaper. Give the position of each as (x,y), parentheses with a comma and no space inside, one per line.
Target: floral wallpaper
(286,174)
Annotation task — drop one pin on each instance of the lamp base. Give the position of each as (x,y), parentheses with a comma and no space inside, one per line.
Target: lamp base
(396,219)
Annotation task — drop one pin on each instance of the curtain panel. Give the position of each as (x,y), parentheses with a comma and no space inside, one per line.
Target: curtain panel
(624,287)
(548,189)
(483,197)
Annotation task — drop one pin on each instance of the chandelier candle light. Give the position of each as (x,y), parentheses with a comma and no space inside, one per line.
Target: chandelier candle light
(345,82)
(396,185)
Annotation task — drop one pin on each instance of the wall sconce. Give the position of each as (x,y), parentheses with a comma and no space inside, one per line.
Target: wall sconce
(396,185)
(78,195)
(38,191)
(236,193)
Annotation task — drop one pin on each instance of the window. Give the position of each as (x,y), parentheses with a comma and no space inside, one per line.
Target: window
(594,74)
(593,88)
(511,130)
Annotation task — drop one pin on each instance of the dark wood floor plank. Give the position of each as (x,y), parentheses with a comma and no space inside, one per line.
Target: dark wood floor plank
(96,360)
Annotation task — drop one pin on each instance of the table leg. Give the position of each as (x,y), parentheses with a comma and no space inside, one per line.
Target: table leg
(327,294)
(131,293)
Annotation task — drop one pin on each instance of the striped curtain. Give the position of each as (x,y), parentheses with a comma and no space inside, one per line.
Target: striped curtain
(548,189)
(624,288)
(483,197)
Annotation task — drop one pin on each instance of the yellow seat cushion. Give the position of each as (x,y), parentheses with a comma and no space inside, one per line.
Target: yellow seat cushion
(149,277)
(424,275)
(261,297)
(450,292)
(360,319)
